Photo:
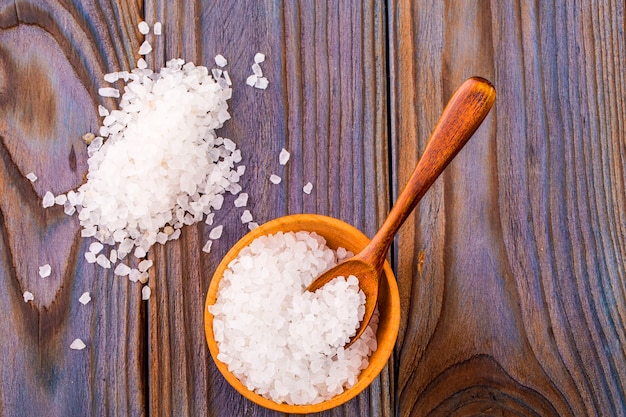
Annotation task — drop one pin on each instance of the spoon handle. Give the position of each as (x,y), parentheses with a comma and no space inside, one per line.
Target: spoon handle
(465,111)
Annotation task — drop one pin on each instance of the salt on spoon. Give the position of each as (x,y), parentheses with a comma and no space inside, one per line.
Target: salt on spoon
(463,114)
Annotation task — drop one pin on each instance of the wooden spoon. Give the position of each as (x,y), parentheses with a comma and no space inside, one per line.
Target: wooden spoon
(465,111)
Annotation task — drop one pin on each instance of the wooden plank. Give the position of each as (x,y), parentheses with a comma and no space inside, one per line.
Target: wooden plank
(325,104)
(513,268)
(53,57)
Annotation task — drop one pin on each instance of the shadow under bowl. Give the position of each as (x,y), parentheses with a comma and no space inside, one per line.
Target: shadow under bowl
(337,234)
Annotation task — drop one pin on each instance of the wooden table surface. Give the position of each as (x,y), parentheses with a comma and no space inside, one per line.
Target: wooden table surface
(511,271)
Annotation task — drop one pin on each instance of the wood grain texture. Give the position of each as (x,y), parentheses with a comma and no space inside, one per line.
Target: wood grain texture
(513,270)
(326,106)
(53,57)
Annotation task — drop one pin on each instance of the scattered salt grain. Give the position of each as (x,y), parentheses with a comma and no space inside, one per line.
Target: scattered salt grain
(220,61)
(284,342)
(121,270)
(252,225)
(60,199)
(144,265)
(103,261)
(241,200)
(251,80)
(157,28)
(259,57)
(95,247)
(308,187)
(162,165)
(283,157)
(109,92)
(111,77)
(90,257)
(145,293)
(261,83)
(246,217)
(141,63)
(209,219)
(216,232)
(78,344)
(48,200)
(45,270)
(144,29)
(275,179)
(28,296)
(256,70)
(85,298)
(145,48)
(207,246)
(31,177)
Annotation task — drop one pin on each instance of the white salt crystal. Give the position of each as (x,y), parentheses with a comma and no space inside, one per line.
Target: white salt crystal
(60,199)
(109,92)
(85,298)
(144,29)
(103,261)
(139,252)
(256,70)
(121,270)
(275,179)
(48,199)
(246,217)
(45,270)
(259,57)
(209,219)
(143,277)
(288,344)
(241,200)
(28,296)
(90,257)
(251,80)
(141,63)
(216,232)
(145,48)
(261,83)
(283,157)
(113,255)
(95,247)
(110,78)
(308,187)
(31,177)
(144,265)
(252,225)
(145,293)
(207,246)
(227,78)
(157,28)
(78,344)
(220,61)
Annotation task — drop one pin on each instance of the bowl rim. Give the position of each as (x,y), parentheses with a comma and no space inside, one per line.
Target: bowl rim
(365,377)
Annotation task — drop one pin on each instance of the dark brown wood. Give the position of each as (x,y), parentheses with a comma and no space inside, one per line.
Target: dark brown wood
(513,268)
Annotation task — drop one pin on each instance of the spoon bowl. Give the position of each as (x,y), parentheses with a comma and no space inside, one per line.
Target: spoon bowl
(337,234)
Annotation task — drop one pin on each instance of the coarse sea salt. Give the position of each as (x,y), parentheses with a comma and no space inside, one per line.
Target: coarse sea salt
(162,166)
(31,177)
(78,344)
(308,187)
(45,270)
(85,298)
(144,28)
(28,296)
(275,179)
(283,157)
(283,342)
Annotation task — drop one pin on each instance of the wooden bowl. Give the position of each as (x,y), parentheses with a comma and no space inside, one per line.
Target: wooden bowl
(336,233)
